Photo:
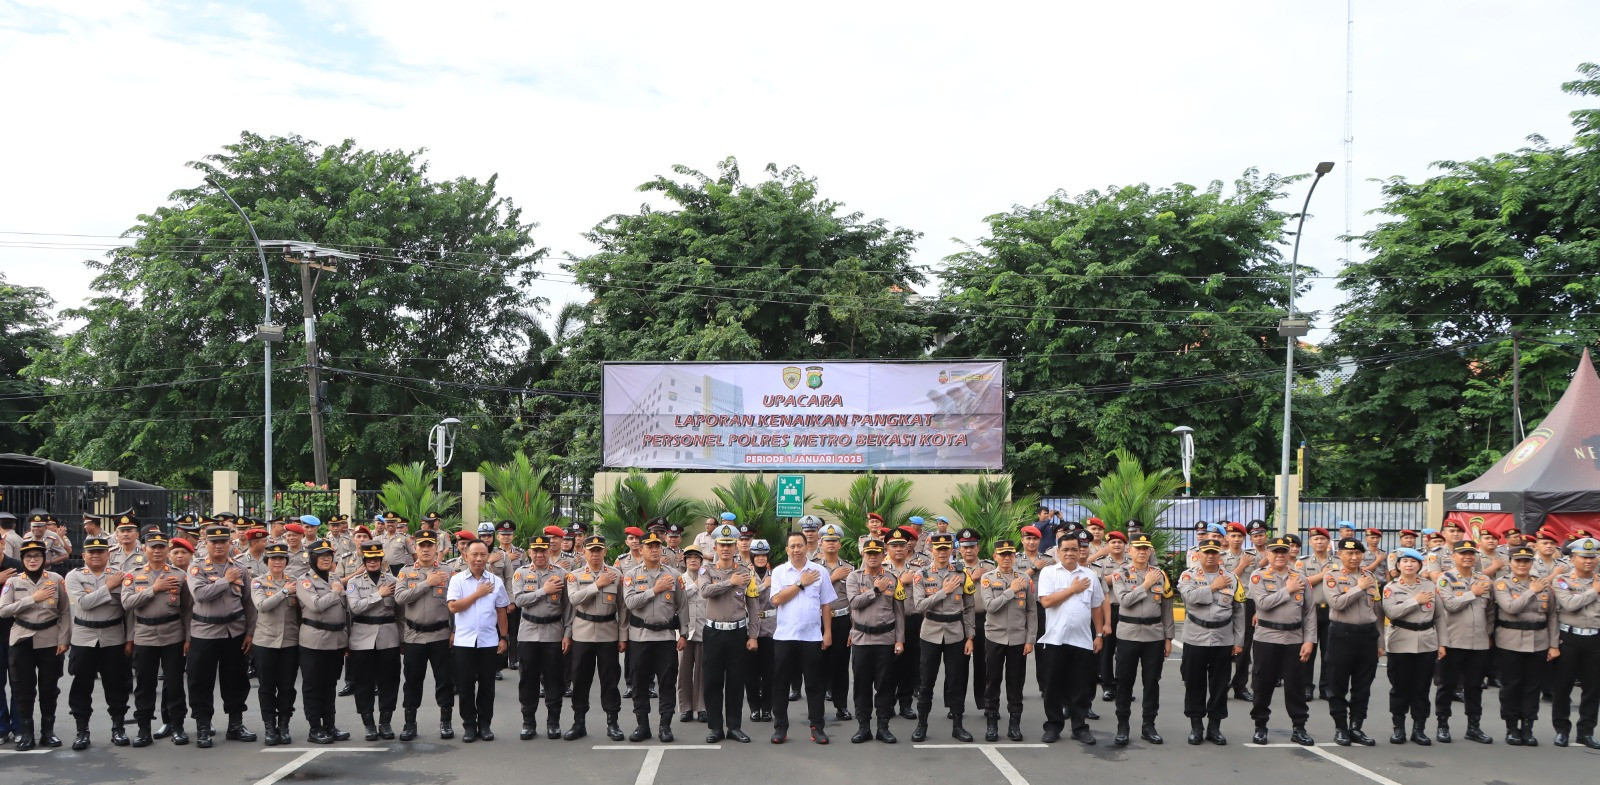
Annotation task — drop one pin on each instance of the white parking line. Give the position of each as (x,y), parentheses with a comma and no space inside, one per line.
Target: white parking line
(992,752)
(652,757)
(307,754)
(1318,751)
(23,752)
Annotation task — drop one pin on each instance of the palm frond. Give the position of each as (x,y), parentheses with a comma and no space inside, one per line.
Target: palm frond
(522,496)
(1129,493)
(411,493)
(635,499)
(869,493)
(986,506)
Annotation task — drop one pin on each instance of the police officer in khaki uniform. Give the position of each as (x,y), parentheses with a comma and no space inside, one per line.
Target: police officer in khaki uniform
(324,635)
(505,558)
(36,601)
(877,630)
(906,565)
(157,595)
(125,555)
(339,534)
(99,642)
(596,635)
(836,658)
(1009,602)
(398,548)
(1144,634)
(374,661)
(539,590)
(1114,558)
(1526,639)
(1352,644)
(1411,645)
(275,647)
(425,635)
(969,559)
(1286,636)
(944,596)
(350,563)
(56,549)
(728,636)
(1213,634)
(691,677)
(220,623)
(1315,566)
(254,556)
(1578,598)
(672,546)
(653,593)
(1465,607)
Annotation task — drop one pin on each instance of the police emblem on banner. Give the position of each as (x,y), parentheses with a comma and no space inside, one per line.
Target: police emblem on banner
(813,376)
(791,377)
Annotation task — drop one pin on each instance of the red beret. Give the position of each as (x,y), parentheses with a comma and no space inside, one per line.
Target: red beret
(910,531)
(1378,532)
(255,534)
(296,528)
(361,530)
(1235,526)
(466,536)
(555,531)
(179,542)
(1093,521)
(1318,530)
(1408,533)
(872,516)
(1031,531)
(1114,536)
(1488,533)
(633,530)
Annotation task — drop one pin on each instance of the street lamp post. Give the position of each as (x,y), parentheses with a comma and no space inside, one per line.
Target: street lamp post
(268,333)
(1292,329)
(442,440)
(1186,454)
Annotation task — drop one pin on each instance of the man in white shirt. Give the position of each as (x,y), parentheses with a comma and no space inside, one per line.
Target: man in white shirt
(803,594)
(478,600)
(1074,624)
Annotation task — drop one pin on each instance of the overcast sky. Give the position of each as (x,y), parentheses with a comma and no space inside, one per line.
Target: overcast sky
(929,115)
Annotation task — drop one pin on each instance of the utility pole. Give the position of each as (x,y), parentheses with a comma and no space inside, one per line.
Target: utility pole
(311,257)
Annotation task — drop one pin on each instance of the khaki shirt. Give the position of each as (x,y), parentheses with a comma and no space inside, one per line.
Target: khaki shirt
(665,611)
(47,624)
(1138,603)
(1516,604)
(343,543)
(277,612)
(727,602)
(841,601)
(324,620)
(1347,602)
(1542,568)
(545,617)
(672,557)
(13,541)
(256,565)
(873,612)
(221,609)
(374,621)
(598,615)
(695,613)
(1311,566)
(97,615)
(627,563)
(159,618)
(1400,605)
(1578,601)
(424,610)
(947,617)
(344,566)
(763,614)
(398,548)
(1215,617)
(1464,624)
(1276,605)
(1033,564)
(1011,617)
(119,560)
(504,562)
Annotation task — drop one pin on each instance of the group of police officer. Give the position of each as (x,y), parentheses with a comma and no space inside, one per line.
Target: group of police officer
(693,627)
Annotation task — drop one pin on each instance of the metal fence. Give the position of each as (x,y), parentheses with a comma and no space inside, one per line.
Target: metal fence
(293,502)
(1179,520)
(1386,515)
(69,503)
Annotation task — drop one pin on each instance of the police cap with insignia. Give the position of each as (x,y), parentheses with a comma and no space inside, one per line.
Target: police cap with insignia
(1140,540)
(725,534)
(1352,545)
(593,542)
(96,544)
(693,550)
(1118,536)
(321,547)
(156,538)
(506,526)
(426,537)
(179,542)
(830,532)
(1277,545)
(968,536)
(1409,553)
(941,541)
(1004,546)
(1209,547)
(390,516)
(127,521)
(654,538)
(218,532)
(371,550)
(1466,546)
(30,546)
(810,523)
(746,532)
(1256,525)
(872,545)
(674,530)
(1587,547)
(760,547)
(1522,552)
(277,550)
(539,542)
(900,537)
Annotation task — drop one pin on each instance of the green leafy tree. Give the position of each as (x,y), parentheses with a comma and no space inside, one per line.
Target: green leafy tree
(1099,301)
(988,507)
(635,499)
(1129,493)
(522,496)
(440,292)
(412,493)
(1502,246)
(871,493)
(26,332)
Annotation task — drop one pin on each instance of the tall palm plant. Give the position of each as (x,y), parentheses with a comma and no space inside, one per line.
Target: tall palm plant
(635,499)
(987,507)
(870,493)
(411,493)
(1131,493)
(521,496)
(754,500)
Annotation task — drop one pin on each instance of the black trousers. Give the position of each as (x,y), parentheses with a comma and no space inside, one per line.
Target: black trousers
(1002,661)
(276,671)
(375,673)
(1069,682)
(110,666)
(1579,661)
(1205,681)
(836,663)
(758,683)
(905,672)
(1520,676)
(1147,658)
(1107,659)
(1350,663)
(1464,668)
(475,667)
(214,660)
(1410,676)
(1038,672)
(146,662)
(873,665)
(35,675)
(540,663)
(319,673)
(1272,662)
(657,661)
(1310,674)
(795,659)
(416,660)
(980,664)
(1241,663)
(587,659)
(954,657)
(725,665)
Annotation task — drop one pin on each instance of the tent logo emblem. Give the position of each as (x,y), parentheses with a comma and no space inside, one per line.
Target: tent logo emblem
(1528,448)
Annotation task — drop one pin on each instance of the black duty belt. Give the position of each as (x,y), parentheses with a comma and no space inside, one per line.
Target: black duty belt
(1414,626)
(322,625)
(359,619)
(1210,625)
(1140,619)
(229,619)
(596,618)
(36,626)
(1282,626)
(872,629)
(156,621)
(97,625)
(1519,625)
(946,618)
(635,621)
(1336,626)
(541,619)
(430,627)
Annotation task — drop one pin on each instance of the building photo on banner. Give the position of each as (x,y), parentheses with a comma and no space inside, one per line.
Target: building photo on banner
(844,415)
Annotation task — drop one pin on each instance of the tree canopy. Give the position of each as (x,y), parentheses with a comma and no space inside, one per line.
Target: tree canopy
(26,331)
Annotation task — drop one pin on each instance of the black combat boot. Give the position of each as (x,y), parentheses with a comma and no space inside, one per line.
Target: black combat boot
(863,732)
(385,728)
(991,727)
(236,730)
(1197,731)
(613,730)
(371,727)
(408,730)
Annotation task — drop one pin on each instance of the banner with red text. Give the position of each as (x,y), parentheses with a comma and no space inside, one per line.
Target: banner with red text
(805,415)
